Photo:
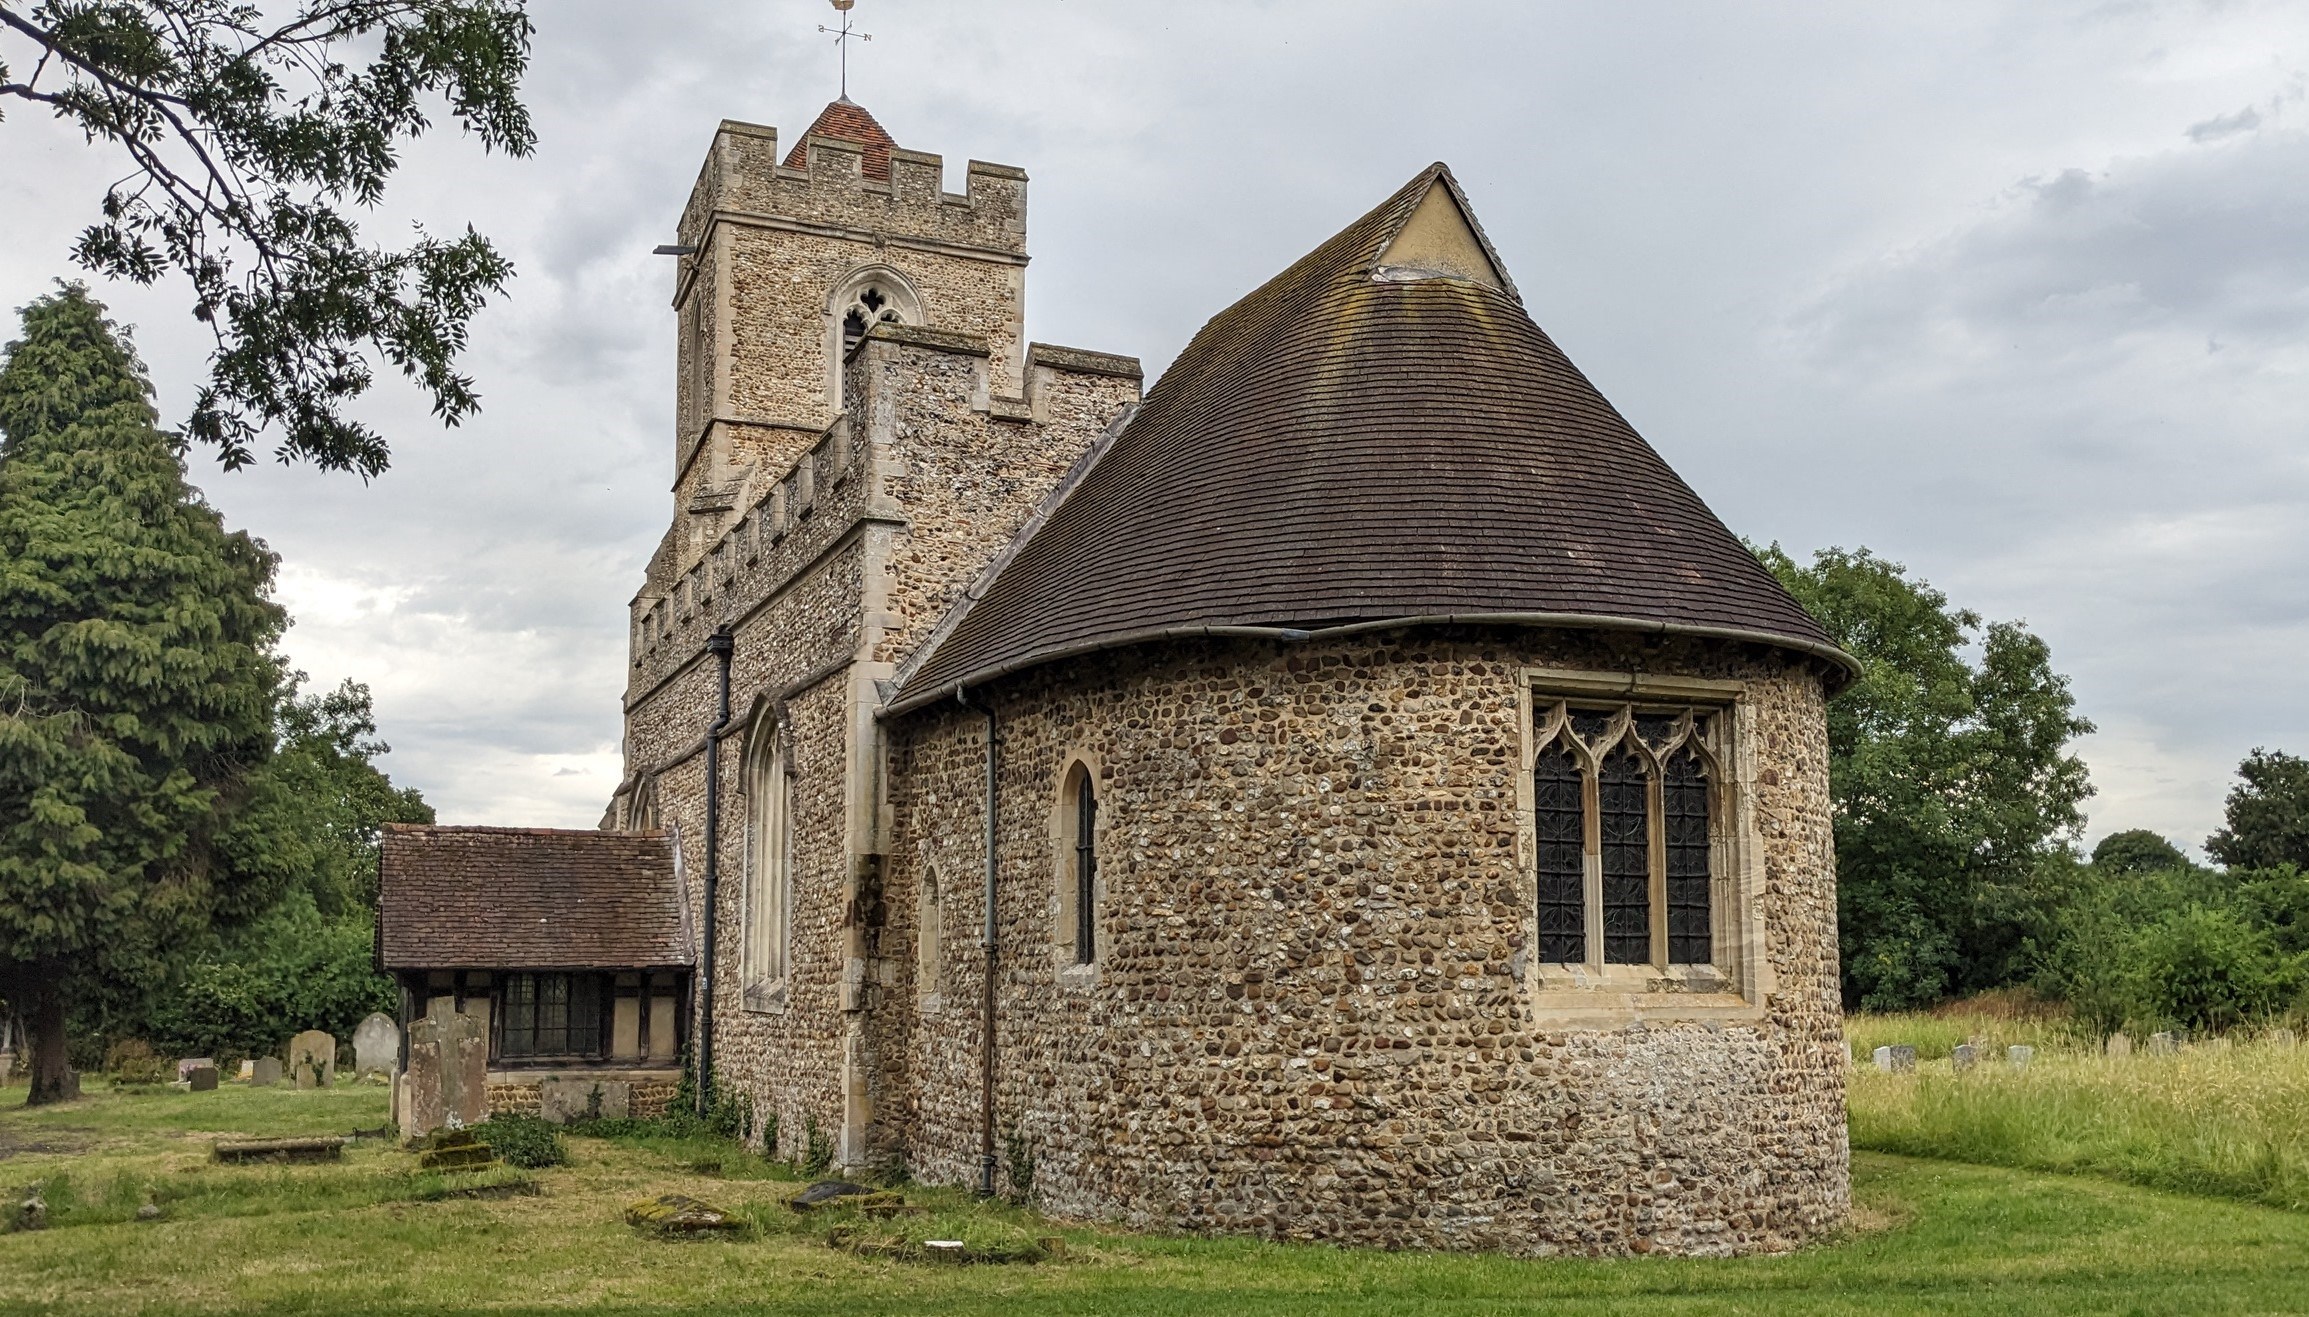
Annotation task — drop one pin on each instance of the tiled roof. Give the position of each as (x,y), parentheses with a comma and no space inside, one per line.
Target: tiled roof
(527,898)
(849,121)
(1343,447)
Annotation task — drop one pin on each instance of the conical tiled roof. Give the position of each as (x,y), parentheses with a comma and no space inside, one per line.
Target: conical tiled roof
(1362,440)
(849,121)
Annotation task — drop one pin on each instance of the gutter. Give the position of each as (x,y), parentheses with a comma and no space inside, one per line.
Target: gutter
(986,1160)
(721,645)
(1294,635)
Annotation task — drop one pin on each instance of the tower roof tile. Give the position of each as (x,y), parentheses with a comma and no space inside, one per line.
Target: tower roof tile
(849,121)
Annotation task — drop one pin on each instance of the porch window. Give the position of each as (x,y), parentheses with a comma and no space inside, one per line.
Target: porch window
(552,1015)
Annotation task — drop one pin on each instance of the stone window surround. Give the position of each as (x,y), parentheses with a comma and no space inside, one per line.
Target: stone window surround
(1734,986)
(1078,766)
(766,936)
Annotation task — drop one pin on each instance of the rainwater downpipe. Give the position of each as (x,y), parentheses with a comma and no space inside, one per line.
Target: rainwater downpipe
(986,1006)
(721,645)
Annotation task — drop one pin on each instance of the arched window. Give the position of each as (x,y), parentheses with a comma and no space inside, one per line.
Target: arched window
(1623,844)
(871,295)
(929,936)
(1076,835)
(768,910)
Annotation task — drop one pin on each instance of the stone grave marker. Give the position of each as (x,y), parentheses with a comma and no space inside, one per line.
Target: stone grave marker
(564,1100)
(202,1078)
(2119,1045)
(1896,1060)
(248,1071)
(376,1046)
(448,1075)
(265,1071)
(2163,1044)
(185,1067)
(313,1059)
(2019,1055)
(1964,1057)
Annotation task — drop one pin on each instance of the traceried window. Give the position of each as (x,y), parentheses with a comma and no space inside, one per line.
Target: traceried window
(551,1015)
(870,307)
(1622,811)
(769,886)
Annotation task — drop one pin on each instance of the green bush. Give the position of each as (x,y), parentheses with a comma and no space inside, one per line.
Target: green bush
(295,969)
(523,1141)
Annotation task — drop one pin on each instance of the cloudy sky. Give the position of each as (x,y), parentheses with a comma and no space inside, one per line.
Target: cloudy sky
(2017,295)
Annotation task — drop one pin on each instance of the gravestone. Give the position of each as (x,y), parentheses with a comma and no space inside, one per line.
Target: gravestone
(1896,1060)
(1964,1056)
(2119,1045)
(448,1074)
(2019,1055)
(313,1059)
(376,1046)
(564,1100)
(203,1079)
(2163,1044)
(248,1071)
(185,1067)
(265,1071)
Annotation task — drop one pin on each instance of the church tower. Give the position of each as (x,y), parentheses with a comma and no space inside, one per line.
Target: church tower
(786,263)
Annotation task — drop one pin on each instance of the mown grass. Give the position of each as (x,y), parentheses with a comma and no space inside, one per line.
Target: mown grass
(2228,1118)
(1937,1237)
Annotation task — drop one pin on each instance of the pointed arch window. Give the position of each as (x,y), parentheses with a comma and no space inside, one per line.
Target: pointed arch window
(1624,827)
(768,908)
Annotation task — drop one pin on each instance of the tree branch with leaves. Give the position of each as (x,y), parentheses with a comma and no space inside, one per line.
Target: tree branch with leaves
(250,141)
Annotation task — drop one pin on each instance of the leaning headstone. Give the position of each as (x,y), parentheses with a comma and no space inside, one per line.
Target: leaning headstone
(448,1074)
(185,1067)
(203,1079)
(265,1071)
(2163,1044)
(376,1046)
(1964,1056)
(2019,1055)
(2119,1045)
(313,1059)
(564,1100)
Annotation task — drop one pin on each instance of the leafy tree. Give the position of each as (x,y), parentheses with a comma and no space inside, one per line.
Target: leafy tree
(1952,781)
(2267,815)
(293,969)
(248,138)
(342,800)
(2137,850)
(137,686)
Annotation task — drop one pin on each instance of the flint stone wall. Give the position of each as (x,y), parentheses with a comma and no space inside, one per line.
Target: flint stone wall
(1310,1018)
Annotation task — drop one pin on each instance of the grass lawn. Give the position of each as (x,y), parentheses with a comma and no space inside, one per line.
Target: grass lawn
(2228,1119)
(370,1234)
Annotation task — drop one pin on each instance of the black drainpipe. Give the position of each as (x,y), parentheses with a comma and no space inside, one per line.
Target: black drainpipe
(986,1007)
(721,645)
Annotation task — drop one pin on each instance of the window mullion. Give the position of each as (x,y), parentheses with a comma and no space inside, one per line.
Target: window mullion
(1655,826)
(1591,846)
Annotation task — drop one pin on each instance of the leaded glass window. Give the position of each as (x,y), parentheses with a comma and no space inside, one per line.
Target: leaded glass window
(1562,853)
(1623,834)
(551,1015)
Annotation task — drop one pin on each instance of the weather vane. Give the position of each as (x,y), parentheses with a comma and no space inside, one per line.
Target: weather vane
(842,37)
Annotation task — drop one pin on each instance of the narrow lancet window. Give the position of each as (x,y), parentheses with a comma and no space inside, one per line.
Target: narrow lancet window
(1622,807)
(1684,804)
(1562,847)
(1085,872)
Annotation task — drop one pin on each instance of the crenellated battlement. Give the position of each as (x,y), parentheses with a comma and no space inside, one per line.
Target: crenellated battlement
(743,180)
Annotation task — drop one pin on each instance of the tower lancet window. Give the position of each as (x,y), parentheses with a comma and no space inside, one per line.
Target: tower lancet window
(1623,842)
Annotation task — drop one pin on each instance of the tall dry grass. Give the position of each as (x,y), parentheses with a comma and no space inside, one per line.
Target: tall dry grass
(2228,1118)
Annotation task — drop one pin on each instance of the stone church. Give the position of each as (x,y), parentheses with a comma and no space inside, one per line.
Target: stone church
(1351,789)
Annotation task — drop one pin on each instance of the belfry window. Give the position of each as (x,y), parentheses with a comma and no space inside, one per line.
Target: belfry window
(872,306)
(1623,840)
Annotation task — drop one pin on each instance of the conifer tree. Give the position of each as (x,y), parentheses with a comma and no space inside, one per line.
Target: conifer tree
(138,684)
